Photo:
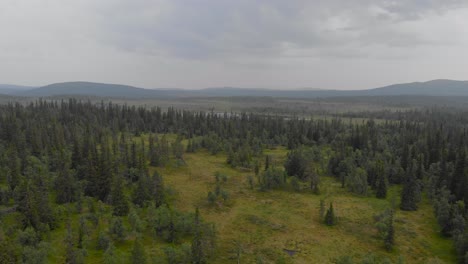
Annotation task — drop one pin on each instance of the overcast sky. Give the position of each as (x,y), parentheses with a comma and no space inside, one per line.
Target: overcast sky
(337,44)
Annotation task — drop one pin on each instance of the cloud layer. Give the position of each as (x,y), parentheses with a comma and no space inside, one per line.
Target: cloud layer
(265,43)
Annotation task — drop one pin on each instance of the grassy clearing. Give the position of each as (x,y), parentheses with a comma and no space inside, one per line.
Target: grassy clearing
(276,225)
(269,223)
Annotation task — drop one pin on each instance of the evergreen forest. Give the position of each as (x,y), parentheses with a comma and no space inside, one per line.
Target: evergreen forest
(99,182)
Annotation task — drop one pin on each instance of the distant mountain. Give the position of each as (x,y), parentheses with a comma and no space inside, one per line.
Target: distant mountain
(430,88)
(94,89)
(10,89)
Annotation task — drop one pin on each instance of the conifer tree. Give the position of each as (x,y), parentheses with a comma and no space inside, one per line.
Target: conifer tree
(119,200)
(382,183)
(142,192)
(198,254)
(158,191)
(330,218)
(138,255)
(267,162)
(389,238)
(13,176)
(410,194)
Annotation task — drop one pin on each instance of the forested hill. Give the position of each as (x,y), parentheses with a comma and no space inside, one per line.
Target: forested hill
(430,88)
(93,89)
(14,89)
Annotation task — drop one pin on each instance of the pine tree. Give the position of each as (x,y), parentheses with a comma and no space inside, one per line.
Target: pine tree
(389,238)
(119,200)
(314,178)
(330,218)
(142,192)
(198,254)
(110,256)
(66,187)
(267,162)
(410,194)
(158,191)
(296,164)
(138,255)
(381,191)
(382,183)
(72,255)
(178,148)
(13,176)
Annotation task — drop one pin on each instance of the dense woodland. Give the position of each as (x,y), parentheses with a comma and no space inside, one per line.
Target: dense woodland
(100,162)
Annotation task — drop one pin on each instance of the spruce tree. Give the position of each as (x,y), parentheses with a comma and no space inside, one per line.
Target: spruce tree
(330,218)
(410,194)
(158,191)
(198,253)
(119,200)
(267,162)
(382,183)
(389,238)
(138,255)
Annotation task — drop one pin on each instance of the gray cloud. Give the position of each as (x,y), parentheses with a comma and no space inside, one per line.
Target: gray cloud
(204,29)
(247,43)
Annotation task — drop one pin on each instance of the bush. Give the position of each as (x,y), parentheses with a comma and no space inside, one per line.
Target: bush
(272,179)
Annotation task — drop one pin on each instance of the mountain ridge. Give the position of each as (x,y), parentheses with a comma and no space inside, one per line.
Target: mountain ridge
(438,87)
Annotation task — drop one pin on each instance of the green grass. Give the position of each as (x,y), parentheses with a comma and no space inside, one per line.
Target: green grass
(268,223)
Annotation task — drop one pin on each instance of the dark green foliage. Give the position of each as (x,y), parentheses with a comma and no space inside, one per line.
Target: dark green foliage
(219,195)
(153,154)
(357,181)
(411,193)
(178,148)
(272,179)
(111,256)
(296,164)
(157,187)
(116,228)
(330,218)
(32,195)
(295,184)
(13,172)
(72,254)
(55,152)
(314,178)
(82,233)
(135,221)
(28,237)
(198,251)
(169,224)
(267,162)
(461,246)
(176,255)
(143,191)
(250,180)
(66,186)
(9,252)
(211,197)
(442,210)
(119,200)
(35,254)
(103,240)
(382,183)
(138,254)
(240,156)
(385,228)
